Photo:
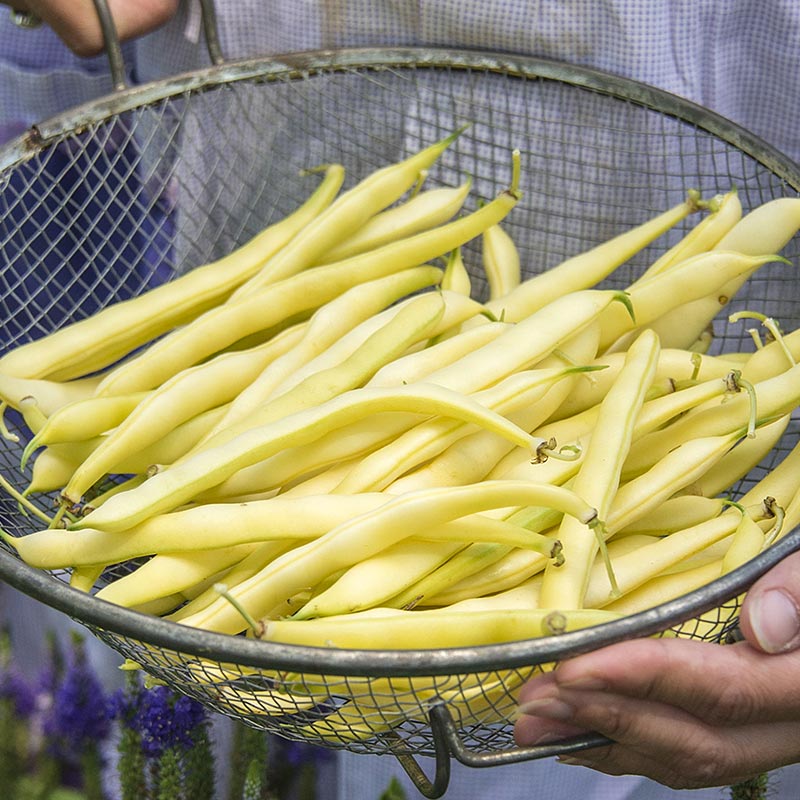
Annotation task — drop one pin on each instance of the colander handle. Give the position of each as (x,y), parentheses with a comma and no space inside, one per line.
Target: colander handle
(447,743)
(113,48)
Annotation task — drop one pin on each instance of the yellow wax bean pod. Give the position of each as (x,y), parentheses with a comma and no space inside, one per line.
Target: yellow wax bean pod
(224,325)
(346,214)
(170,488)
(736,464)
(419,364)
(186,395)
(772,358)
(675,513)
(599,473)
(385,576)
(54,466)
(84,419)
(768,228)
(203,527)
(327,325)
(421,630)
(32,415)
(168,573)
(586,269)
(501,261)
(679,468)
(305,291)
(372,581)
(371,533)
(245,569)
(84,578)
(634,569)
(664,588)
(654,414)
(173,445)
(678,366)
(506,571)
(525,595)
(694,278)
(725,212)
(339,449)
(412,323)
(421,212)
(456,275)
(485,528)
(482,568)
(472,457)
(456,309)
(319,481)
(103,338)
(781,483)
(773,397)
(428,439)
(160,606)
(747,542)
(50,395)
(428,590)
(519,466)
(527,342)
(114,487)
(485,569)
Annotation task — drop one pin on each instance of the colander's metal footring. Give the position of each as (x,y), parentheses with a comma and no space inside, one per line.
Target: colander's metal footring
(447,742)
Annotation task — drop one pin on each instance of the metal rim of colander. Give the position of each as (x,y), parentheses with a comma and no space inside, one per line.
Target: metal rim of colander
(435,661)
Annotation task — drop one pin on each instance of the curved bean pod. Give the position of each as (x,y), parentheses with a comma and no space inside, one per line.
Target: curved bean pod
(327,325)
(308,290)
(586,269)
(422,212)
(346,214)
(170,488)
(598,476)
(103,338)
(371,533)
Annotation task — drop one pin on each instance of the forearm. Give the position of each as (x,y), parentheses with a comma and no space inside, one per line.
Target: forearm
(76,22)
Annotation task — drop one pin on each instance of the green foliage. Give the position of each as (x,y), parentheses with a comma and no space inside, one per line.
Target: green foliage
(754,788)
(394,791)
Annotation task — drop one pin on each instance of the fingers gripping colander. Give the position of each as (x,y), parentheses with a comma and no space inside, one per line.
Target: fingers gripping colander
(115,196)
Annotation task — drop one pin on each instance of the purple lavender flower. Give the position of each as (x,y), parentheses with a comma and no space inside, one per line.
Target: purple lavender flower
(296,754)
(78,716)
(165,721)
(15,687)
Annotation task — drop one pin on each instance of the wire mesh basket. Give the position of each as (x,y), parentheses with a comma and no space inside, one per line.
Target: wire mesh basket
(121,194)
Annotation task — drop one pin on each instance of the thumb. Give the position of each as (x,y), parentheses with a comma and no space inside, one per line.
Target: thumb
(770,616)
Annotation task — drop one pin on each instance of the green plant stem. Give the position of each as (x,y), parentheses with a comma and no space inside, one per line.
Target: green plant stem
(754,788)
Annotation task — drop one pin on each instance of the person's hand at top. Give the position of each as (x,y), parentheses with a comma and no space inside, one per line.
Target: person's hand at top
(685,713)
(77,24)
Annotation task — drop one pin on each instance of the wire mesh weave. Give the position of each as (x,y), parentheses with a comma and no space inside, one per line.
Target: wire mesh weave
(119,196)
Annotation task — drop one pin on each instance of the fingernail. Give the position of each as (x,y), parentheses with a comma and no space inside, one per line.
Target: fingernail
(547,707)
(775,621)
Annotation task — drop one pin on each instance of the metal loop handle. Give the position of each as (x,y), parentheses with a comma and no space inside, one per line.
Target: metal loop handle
(447,742)
(116,62)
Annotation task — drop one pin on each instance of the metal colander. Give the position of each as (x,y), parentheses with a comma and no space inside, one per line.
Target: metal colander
(111,198)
